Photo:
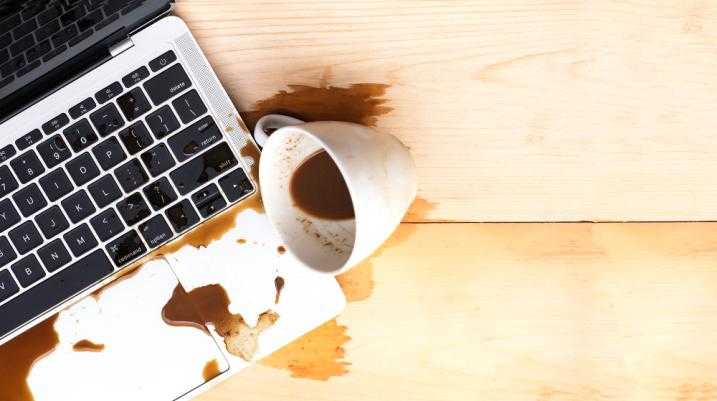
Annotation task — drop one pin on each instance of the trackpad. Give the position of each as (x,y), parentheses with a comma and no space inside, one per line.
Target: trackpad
(113,345)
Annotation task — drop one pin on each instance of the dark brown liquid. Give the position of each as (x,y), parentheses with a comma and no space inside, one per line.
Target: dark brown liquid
(211,370)
(87,346)
(319,189)
(281,249)
(279,284)
(19,355)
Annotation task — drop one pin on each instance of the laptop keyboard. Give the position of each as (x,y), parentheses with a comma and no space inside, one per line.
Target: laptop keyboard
(121,172)
(35,32)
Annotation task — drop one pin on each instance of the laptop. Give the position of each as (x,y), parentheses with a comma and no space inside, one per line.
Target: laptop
(114,141)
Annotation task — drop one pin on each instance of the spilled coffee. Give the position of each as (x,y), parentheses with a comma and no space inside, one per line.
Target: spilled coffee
(319,189)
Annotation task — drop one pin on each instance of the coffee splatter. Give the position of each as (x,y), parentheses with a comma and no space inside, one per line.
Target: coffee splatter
(318,355)
(87,346)
(241,241)
(281,249)
(279,284)
(212,306)
(211,370)
(419,211)
(19,355)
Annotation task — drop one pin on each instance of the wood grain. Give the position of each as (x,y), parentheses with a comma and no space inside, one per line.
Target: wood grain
(515,110)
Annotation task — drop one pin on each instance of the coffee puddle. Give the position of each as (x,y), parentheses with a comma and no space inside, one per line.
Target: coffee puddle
(211,370)
(318,188)
(87,346)
(279,284)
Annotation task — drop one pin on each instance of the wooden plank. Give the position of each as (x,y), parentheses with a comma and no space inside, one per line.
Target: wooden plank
(515,110)
(569,312)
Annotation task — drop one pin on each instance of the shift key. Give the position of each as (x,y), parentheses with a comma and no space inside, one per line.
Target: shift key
(203,168)
(168,84)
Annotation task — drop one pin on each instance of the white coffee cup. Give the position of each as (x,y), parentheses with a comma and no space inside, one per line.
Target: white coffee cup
(379,173)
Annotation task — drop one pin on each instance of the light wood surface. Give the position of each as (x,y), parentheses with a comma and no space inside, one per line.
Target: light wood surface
(515,110)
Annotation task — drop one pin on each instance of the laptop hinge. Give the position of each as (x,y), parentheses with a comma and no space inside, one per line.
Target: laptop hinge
(121,46)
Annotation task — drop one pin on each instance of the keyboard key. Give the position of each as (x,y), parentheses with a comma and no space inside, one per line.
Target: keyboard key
(13,65)
(28,270)
(51,292)
(182,216)
(73,15)
(7,255)
(27,166)
(5,39)
(109,92)
(162,61)
(54,255)
(126,248)
(135,137)
(55,124)
(162,122)
(9,215)
(82,169)
(202,169)
(54,53)
(135,77)
(89,20)
(189,106)
(52,222)
(21,45)
(107,224)
(131,175)
(38,51)
(54,151)
(25,237)
(56,184)
(133,104)
(48,30)
(24,29)
(7,152)
(8,287)
(160,193)
(49,15)
(109,153)
(80,135)
(78,206)
(82,108)
(29,139)
(30,200)
(107,120)
(133,209)
(29,67)
(236,185)
(80,240)
(64,35)
(105,191)
(156,231)
(158,160)
(106,22)
(195,139)
(208,200)
(8,183)
(167,84)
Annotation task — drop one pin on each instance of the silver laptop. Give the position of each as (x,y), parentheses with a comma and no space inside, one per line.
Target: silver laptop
(113,142)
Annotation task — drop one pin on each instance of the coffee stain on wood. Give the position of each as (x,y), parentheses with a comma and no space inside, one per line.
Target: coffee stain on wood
(87,346)
(211,370)
(19,355)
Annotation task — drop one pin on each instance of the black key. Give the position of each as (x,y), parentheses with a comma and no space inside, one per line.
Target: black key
(5,39)
(89,20)
(105,190)
(56,184)
(104,95)
(109,153)
(48,15)
(52,222)
(107,224)
(236,185)
(32,10)
(64,35)
(80,240)
(126,248)
(38,51)
(158,160)
(133,209)
(182,216)
(189,106)
(25,237)
(131,175)
(27,68)
(27,166)
(82,169)
(8,287)
(7,255)
(29,139)
(28,270)
(105,22)
(54,53)
(8,24)
(55,124)
(13,65)
(6,153)
(203,168)
(8,183)
(4,55)
(107,119)
(136,137)
(24,29)
(47,30)
(80,135)
(156,231)
(208,200)
(195,139)
(56,289)
(135,77)
(54,151)
(82,108)
(54,255)
(78,206)
(21,45)
(30,200)
(162,122)
(133,104)
(160,193)
(162,61)
(73,15)
(77,39)
(9,215)
(167,84)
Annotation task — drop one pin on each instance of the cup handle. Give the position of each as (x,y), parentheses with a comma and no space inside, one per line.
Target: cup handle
(270,123)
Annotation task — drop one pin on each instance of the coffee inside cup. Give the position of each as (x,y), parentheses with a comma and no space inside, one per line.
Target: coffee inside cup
(319,189)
